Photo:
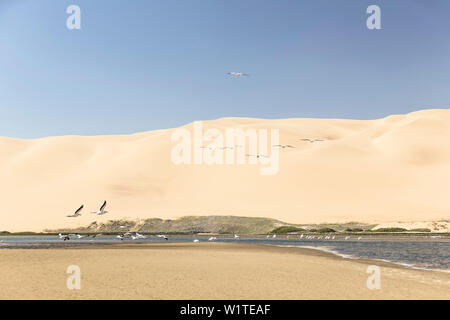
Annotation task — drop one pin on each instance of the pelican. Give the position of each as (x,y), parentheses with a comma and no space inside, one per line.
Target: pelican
(283,146)
(102,209)
(311,140)
(140,236)
(76,213)
(256,155)
(238,74)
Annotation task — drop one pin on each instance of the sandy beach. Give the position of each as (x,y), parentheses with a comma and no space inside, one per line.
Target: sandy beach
(207,271)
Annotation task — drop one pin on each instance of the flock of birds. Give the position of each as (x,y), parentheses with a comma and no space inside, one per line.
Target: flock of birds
(282,146)
(138,236)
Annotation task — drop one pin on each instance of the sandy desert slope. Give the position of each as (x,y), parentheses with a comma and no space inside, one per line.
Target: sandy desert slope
(391,169)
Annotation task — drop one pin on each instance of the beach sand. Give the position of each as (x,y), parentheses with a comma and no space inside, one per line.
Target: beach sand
(207,271)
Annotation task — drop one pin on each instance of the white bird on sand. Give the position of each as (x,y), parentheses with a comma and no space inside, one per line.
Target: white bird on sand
(274,236)
(212,239)
(196,240)
(236,236)
(61,236)
(79,236)
(346,238)
(359,238)
(238,74)
(163,236)
(102,209)
(76,213)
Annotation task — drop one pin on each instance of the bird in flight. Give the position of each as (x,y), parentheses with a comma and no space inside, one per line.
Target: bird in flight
(76,213)
(256,155)
(238,74)
(283,146)
(311,140)
(102,209)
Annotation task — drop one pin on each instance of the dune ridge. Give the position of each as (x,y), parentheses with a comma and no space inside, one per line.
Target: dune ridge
(373,171)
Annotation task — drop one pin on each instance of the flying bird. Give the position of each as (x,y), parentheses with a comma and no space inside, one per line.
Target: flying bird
(238,74)
(311,140)
(102,209)
(256,155)
(283,146)
(76,213)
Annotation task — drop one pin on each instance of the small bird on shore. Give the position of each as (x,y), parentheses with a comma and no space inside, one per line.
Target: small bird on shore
(140,236)
(236,236)
(76,213)
(212,239)
(102,209)
(163,236)
(196,240)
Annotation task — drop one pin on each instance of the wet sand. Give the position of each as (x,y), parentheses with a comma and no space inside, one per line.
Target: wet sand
(207,271)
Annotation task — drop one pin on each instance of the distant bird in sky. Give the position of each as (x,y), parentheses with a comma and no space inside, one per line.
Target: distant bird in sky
(76,213)
(256,155)
(283,146)
(311,140)
(102,209)
(238,74)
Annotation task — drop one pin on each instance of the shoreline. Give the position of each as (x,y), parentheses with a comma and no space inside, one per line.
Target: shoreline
(208,271)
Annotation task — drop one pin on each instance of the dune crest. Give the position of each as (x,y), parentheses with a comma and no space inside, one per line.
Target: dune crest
(386,170)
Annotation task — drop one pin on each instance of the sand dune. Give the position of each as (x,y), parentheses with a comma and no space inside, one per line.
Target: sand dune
(385,170)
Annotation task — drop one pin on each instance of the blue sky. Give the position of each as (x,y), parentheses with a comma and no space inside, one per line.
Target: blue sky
(143,65)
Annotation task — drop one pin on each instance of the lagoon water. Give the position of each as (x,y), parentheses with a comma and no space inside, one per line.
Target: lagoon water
(417,252)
